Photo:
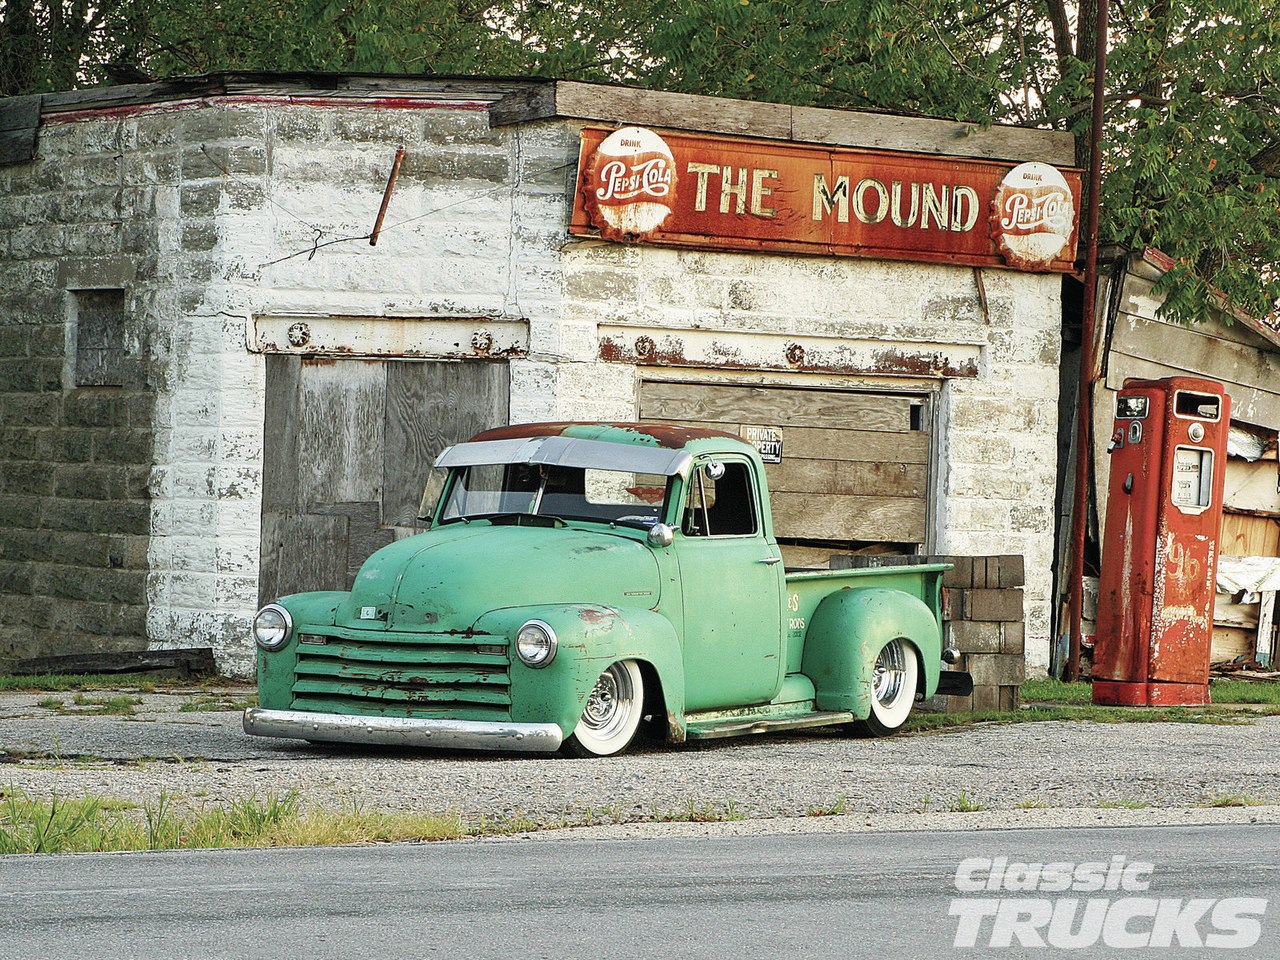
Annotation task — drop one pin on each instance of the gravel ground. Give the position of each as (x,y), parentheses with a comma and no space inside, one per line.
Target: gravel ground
(1018,774)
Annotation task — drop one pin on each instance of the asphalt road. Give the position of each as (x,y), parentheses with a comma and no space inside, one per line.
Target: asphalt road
(882,896)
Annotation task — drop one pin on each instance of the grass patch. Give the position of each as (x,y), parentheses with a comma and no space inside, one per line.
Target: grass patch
(51,703)
(1124,805)
(210,703)
(1231,800)
(1031,803)
(1053,690)
(118,706)
(67,682)
(88,824)
(1227,690)
(836,809)
(935,722)
(1223,690)
(691,812)
(962,804)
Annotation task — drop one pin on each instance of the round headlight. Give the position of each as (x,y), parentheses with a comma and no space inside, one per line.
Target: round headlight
(272,626)
(536,643)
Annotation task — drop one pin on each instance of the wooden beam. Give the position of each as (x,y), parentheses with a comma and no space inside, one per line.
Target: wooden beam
(950,138)
(776,121)
(189,662)
(895,520)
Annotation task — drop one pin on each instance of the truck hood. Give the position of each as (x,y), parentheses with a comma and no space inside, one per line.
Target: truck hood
(445,579)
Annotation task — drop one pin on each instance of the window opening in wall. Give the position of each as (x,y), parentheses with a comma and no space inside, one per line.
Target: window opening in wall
(100,353)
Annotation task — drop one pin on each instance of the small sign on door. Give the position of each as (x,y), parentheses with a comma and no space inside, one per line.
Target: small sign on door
(768,440)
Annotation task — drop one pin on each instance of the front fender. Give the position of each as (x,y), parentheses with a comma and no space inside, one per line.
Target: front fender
(847,632)
(590,637)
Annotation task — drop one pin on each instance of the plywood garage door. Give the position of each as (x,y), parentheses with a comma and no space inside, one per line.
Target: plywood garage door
(854,467)
(347,448)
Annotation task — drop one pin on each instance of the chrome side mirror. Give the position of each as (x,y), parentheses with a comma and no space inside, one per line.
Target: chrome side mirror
(714,469)
(660,535)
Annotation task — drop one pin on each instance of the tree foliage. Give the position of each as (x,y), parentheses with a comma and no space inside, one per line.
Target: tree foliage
(1191,145)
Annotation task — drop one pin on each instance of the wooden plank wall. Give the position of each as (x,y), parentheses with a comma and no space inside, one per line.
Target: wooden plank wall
(1142,346)
(349,445)
(852,469)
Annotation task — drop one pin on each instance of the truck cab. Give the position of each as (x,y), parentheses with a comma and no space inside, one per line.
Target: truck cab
(580,581)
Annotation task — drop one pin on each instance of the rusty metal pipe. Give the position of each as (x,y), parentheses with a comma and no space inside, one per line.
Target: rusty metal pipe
(1084,405)
(386,196)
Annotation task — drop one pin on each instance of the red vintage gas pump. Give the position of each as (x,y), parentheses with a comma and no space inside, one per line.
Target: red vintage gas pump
(1160,547)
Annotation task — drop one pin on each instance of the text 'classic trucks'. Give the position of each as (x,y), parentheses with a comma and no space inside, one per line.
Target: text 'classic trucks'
(579,579)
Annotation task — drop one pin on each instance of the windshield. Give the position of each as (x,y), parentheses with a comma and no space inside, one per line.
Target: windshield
(566,493)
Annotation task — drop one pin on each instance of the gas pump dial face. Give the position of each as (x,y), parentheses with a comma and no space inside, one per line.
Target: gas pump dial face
(1132,408)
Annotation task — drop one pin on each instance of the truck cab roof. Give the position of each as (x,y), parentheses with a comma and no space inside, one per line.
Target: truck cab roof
(641,447)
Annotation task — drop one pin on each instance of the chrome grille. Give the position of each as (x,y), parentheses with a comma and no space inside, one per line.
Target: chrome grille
(403,674)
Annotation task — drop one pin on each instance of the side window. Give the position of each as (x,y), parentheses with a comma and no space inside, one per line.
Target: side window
(723,506)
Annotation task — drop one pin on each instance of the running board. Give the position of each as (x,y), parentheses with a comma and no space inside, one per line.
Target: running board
(711,729)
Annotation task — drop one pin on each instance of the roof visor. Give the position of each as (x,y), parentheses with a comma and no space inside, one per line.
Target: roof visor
(569,452)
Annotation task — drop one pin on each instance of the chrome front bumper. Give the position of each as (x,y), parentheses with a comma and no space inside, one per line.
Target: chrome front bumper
(404,732)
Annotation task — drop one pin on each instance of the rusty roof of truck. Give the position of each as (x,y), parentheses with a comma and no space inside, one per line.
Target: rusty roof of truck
(671,436)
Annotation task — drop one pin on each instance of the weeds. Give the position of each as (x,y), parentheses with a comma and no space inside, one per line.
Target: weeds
(1052,690)
(1231,800)
(119,706)
(1227,690)
(66,682)
(1034,713)
(962,804)
(1223,690)
(1124,805)
(209,703)
(1031,803)
(51,703)
(62,825)
(839,808)
(691,812)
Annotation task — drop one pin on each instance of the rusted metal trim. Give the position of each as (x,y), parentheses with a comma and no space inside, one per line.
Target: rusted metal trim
(892,360)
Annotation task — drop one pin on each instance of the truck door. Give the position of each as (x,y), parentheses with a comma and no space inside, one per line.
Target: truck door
(732,576)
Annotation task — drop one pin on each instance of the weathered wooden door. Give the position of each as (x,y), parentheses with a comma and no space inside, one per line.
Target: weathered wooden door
(852,469)
(347,448)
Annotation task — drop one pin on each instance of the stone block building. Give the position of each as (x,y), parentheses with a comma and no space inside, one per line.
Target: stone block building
(214,388)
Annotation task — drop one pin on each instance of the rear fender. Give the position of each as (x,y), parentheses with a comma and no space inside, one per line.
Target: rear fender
(847,632)
(589,638)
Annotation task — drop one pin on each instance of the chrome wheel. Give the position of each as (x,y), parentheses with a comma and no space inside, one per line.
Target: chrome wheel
(891,668)
(893,689)
(611,715)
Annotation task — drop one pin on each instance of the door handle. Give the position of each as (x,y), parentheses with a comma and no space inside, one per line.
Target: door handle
(770,561)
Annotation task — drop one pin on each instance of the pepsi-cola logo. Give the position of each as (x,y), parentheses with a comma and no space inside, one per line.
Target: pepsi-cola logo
(631,183)
(1033,217)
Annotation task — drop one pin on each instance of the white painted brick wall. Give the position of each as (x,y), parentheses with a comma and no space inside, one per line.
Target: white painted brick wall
(459,239)
(476,227)
(997,433)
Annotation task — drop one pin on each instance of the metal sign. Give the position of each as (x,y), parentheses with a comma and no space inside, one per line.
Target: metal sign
(768,440)
(722,193)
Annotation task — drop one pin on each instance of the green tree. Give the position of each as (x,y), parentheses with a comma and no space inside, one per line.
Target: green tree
(1191,145)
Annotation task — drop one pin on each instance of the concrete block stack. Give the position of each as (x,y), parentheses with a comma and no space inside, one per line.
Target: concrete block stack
(983,606)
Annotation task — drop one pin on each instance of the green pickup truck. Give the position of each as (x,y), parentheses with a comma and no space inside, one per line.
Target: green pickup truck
(584,581)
